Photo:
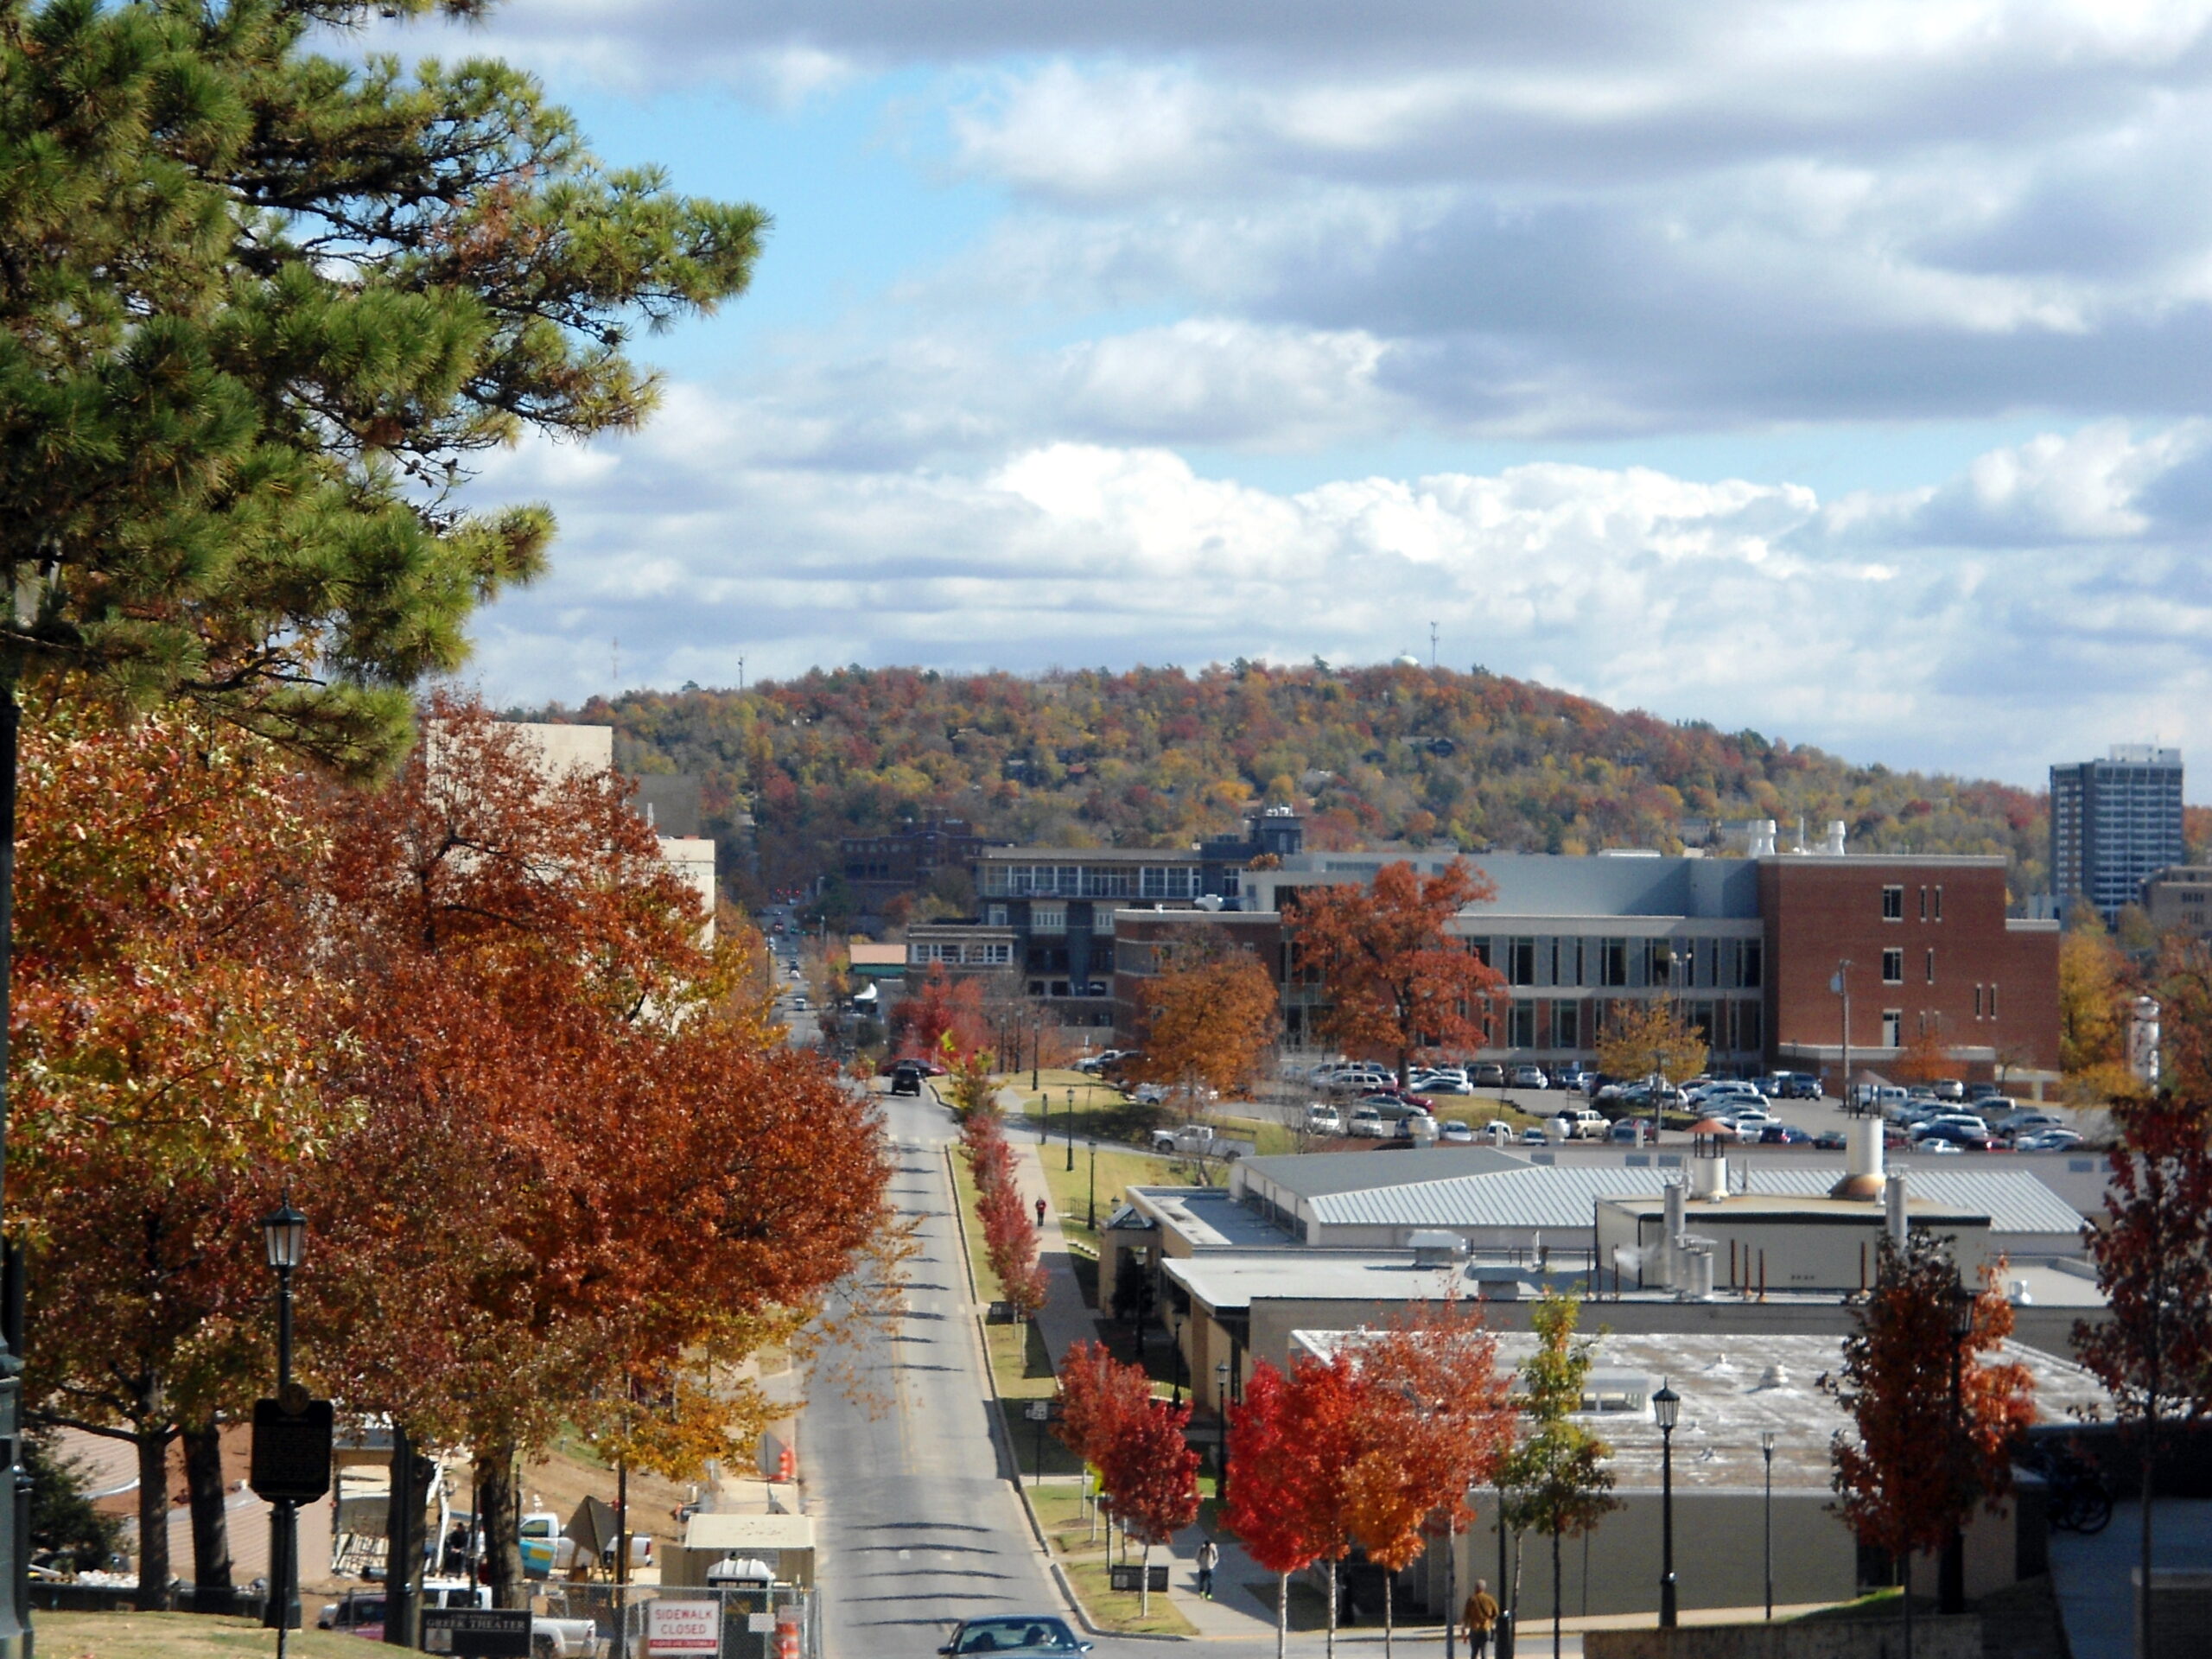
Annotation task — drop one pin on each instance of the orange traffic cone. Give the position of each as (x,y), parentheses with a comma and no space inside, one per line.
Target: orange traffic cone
(787,1464)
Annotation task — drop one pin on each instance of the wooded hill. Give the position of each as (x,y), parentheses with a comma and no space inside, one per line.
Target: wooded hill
(1161,757)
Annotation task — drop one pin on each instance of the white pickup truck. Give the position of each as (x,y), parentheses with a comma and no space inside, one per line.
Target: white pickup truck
(1198,1140)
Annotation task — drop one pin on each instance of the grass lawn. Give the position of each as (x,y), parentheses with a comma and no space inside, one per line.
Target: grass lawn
(1879,1604)
(178,1636)
(1117,1609)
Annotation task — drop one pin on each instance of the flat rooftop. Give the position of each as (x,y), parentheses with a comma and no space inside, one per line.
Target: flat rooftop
(1735,1388)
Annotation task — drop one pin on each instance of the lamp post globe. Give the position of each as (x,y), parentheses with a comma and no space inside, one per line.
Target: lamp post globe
(1666,1411)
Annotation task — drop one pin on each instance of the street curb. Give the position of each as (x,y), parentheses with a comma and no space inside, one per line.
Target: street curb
(1052,1567)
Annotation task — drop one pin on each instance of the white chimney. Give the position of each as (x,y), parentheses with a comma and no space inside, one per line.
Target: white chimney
(1709,1179)
(1670,1247)
(1893,1207)
(1763,834)
(1862,1176)
(1834,846)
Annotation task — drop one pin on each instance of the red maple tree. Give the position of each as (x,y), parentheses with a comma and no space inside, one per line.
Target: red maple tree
(1918,1463)
(1265,1450)
(943,1019)
(1097,1394)
(1151,1471)
(1396,981)
(2154,1264)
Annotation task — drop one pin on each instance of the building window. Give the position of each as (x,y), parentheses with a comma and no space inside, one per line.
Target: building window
(1893,904)
(1567,1025)
(1993,999)
(1923,903)
(1612,961)
(1939,901)
(1748,1037)
(1892,967)
(995,915)
(1754,963)
(998,955)
(1520,961)
(1048,918)
(1931,965)
(1977,1001)
(1892,1028)
(1520,1026)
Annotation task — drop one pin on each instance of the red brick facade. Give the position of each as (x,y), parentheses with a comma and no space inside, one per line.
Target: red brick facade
(1987,986)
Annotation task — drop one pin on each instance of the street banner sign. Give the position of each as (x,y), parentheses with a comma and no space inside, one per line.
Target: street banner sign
(681,1627)
(476,1633)
(292,1451)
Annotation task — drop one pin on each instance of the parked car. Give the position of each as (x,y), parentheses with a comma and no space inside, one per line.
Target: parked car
(906,1078)
(1939,1144)
(1574,1076)
(2027,1119)
(1528,1077)
(1453,1132)
(1583,1124)
(1830,1140)
(1324,1120)
(2047,1141)
(1982,1090)
(1370,1125)
(1954,1134)
(1533,1136)
(1625,1130)
(1783,1134)
(1014,1635)
(1950,1089)
(1486,1074)
(1748,1120)
(1795,1085)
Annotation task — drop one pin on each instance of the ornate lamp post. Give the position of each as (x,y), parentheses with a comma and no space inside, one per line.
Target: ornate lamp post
(1221,1406)
(1766,1450)
(1068,1123)
(1094,1185)
(1951,1582)
(1666,1410)
(284,1232)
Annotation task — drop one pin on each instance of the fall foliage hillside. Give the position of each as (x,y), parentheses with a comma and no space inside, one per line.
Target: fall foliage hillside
(1429,757)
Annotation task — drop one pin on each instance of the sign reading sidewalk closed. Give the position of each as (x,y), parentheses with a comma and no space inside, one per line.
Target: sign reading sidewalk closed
(476,1633)
(676,1627)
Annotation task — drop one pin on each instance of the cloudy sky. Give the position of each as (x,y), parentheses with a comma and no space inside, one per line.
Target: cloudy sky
(1834,367)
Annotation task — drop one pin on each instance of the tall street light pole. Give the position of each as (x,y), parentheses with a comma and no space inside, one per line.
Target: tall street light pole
(1067,1124)
(1951,1584)
(1766,1451)
(284,1232)
(1503,1629)
(1666,1409)
(1094,1185)
(1840,984)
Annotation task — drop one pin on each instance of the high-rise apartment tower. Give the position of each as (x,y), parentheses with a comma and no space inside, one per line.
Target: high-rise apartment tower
(2113,823)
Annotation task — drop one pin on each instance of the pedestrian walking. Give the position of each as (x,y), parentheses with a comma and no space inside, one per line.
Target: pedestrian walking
(1480,1616)
(1040,1212)
(1209,1559)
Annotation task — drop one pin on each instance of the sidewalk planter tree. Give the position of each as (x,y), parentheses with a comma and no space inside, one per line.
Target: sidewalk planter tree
(1151,1471)
(1898,1489)
(2154,1265)
(1098,1393)
(1555,1480)
(1394,979)
(1265,1450)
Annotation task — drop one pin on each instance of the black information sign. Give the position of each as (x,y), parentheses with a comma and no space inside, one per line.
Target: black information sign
(291,1451)
(476,1633)
(998,1313)
(1125,1577)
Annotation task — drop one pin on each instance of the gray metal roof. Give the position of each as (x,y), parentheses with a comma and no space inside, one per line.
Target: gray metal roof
(1561,1197)
(1311,1175)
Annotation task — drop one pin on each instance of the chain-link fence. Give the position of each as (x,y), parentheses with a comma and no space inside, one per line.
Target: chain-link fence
(652,1621)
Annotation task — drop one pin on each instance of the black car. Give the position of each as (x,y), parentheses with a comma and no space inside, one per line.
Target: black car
(1020,1634)
(906,1078)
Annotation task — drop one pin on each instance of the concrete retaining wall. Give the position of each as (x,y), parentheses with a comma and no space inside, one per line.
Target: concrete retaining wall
(1932,1638)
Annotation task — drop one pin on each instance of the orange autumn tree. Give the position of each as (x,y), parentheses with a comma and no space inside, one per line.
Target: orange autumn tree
(1904,1481)
(1149,1469)
(534,1012)
(1210,1017)
(943,1019)
(163,1021)
(1098,1393)
(1433,1420)
(1394,979)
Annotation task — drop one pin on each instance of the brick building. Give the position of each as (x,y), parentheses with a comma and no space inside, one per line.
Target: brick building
(880,867)
(1747,947)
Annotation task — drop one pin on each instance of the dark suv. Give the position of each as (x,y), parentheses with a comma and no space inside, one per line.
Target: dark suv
(906,1078)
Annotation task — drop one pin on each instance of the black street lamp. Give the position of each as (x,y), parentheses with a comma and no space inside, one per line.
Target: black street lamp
(1221,1406)
(1067,1124)
(1951,1580)
(284,1233)
(1094,1185)
(1666,1410)
(1503,1638)
(1766,1450)
(1177,1325)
